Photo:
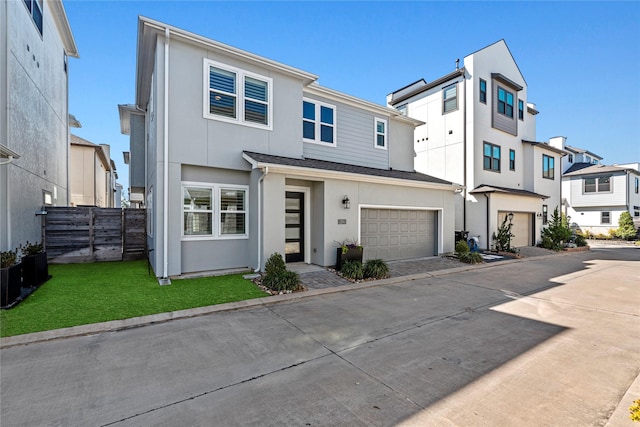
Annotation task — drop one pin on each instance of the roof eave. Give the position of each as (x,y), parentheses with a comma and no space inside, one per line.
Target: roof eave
(60,16)
(457,73)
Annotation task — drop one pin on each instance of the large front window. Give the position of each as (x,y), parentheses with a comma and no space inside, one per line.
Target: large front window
(505,102)
(235,95)
(491,158)
(214,210)
(318,122)
(597,185)
(548,167)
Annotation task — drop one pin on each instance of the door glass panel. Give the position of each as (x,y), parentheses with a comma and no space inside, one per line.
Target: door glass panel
(292,248)
(292,218)
(292,233)
(293,204)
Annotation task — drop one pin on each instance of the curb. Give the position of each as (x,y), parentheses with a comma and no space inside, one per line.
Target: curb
(136,322)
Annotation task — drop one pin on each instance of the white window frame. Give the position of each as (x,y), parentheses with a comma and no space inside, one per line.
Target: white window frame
(602,214)
(444,99)
(385,134)
(240,97)
(216,211)
(318,123)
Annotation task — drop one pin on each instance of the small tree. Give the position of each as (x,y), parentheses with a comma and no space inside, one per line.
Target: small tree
(626,229)
(502,240)
(557,232)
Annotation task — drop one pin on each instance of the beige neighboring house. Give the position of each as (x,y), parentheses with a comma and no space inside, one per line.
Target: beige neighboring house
(92,174)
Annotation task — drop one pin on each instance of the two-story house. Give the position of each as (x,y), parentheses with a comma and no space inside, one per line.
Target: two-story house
(245,157)
(34,119)
(92,174)
(594,195)
(480,131)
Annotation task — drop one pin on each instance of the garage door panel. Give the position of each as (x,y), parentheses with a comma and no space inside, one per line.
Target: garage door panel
(521,228)
(393,234)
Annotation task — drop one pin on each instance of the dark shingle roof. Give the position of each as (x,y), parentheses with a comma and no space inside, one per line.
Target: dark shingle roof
(576,167)
(594,169)
(343,167)
(495,189)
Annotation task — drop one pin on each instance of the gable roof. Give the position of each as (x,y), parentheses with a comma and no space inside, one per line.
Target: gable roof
(389,176)
(577,150)
(545,146)
(108,163)
(596,169)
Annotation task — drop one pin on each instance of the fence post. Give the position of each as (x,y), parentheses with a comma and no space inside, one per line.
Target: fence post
(91,232)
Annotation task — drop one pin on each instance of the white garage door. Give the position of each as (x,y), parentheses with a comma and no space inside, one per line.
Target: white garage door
(392,234)
(521,228)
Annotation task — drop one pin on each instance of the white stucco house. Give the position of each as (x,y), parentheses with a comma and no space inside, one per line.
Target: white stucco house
(92,174)
(593,194)
(240,156)
(480,131)
(34,119)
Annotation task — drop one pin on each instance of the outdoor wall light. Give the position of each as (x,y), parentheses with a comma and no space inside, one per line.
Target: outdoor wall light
(346,203)
(510,216)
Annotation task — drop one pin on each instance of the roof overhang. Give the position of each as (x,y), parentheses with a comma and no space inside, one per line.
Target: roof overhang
(506,81)
(444,79)
(62,22)
(125,111)
(320,174)
(545,146)
(6,153)
(508,191)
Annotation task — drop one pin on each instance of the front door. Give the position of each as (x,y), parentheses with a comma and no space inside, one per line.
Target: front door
(294,227)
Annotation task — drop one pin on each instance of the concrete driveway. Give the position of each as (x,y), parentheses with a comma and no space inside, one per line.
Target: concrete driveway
(542,342)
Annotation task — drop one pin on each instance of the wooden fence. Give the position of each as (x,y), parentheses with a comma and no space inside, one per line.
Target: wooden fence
(94,234)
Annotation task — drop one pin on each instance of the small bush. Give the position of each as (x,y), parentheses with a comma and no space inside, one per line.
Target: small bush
(31,248)
(471,257)
(8,258)
(580,240)
(282,281)
(376,269)
(635,410)
(274,265)
(626,229)
(352,270)
(462,247)
(557,232)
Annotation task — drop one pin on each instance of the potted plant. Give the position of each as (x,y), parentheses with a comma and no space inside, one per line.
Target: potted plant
(35,270)
(348,250)
(10,277)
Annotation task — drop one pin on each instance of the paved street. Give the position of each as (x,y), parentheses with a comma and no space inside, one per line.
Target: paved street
(540,342)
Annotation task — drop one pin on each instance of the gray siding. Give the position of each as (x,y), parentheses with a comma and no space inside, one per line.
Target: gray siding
(500,121)
(354,138)
(136,164)
(616,197)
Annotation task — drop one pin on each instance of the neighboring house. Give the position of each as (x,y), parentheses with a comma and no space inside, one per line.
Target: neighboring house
(594,195)
(246,157)
(92,174)
(34,118)
(480,131)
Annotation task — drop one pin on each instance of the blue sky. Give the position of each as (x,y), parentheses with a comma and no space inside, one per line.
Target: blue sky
(580,59)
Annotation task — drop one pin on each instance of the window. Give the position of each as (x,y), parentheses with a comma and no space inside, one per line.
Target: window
(236,95)
(594,161)
(35,10)
(570,158)
(545,214)
(214,211)
(65,59)
(450,98)
(605,217)
(512,160)
(318,122)
(505,102)
(521,109)
(491,157)
(381,134)
(483,91)
(637,185)
(597,185)
(47,198)
(548,166)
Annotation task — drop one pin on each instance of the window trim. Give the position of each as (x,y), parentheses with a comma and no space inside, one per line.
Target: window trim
(318,123)
(240,96)
(507,92)
(551,167)
(485,143)
(597,185)
(385,134)
(520,109)
(444,100)
(483,92)
(512,161)
(608,213)
(216,211)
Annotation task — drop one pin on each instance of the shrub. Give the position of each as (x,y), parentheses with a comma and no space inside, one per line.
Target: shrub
(31,248)
(626,229)
(282,281)
(502,240)
(352,270)
(470,257)
(8,258)
(580,240)
(462,247)
(274,265)
(376,268)
(557,232)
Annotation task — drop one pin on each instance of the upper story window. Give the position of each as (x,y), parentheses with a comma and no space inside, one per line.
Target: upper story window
(491,158)
(381,133)
(450,98)
(318,122)
(521,109)
(505,102)
(483,91)
(637,185)
(214,211)
(237,96)
(512,160)
(570,158)
(594,161)
(597,185)
(548,166)
(35,8)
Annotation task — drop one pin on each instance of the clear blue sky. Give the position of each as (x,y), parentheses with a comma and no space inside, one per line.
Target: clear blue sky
(580,59)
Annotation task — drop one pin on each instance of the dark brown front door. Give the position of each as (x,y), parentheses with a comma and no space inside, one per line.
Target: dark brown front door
(294,226)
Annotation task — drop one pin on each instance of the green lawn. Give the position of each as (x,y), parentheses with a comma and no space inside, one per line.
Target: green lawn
(80,294)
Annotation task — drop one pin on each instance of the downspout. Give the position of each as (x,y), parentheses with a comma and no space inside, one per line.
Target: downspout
(464,151)
(265,171)
(488,237)
(165,200)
